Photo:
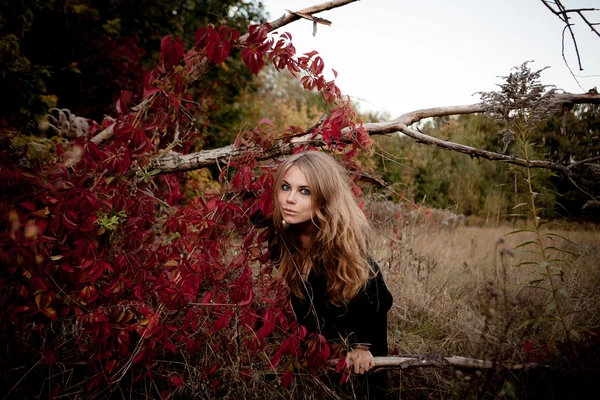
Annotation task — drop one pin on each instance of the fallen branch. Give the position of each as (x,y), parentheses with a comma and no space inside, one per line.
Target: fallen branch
(410,118)
(454,361)
(179,163)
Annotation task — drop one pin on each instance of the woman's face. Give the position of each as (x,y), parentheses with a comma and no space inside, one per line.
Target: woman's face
(294,197)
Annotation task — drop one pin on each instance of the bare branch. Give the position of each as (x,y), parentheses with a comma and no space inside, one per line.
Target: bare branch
(590,24)
(289,18)
(455,361)
(415,116)
(586,161)
(563,14)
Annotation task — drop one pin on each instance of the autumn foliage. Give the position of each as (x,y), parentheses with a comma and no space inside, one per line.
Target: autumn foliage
(114,283)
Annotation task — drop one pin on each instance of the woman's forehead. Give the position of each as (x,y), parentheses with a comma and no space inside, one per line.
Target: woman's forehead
(296,176)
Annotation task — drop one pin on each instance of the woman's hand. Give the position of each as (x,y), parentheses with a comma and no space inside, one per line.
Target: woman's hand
(360,359)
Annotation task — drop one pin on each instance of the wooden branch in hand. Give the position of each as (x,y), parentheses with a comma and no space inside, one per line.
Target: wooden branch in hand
(454,361)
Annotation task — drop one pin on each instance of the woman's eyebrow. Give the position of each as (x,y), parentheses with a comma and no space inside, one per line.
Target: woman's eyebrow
(300,186)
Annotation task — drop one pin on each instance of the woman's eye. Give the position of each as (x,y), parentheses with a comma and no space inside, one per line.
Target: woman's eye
(285,187)
(305,192)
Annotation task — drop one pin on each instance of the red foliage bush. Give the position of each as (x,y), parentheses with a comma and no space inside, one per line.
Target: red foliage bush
(109,284)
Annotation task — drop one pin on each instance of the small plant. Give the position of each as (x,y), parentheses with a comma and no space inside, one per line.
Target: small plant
(110,221)
(520,105)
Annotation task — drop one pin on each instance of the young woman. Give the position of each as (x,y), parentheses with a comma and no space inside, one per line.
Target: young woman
(337,290)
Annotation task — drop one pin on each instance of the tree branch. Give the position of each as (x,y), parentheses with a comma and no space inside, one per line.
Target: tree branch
(205,158)
(563,14)
(426,360)
(289,18)
(204,65)
(454,361)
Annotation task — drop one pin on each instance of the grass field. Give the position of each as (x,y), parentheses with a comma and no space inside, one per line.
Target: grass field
(458,291)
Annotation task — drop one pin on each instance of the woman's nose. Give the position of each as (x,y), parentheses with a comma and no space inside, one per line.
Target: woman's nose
(291,198)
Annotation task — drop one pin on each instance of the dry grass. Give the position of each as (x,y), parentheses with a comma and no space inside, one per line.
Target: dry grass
(457,291)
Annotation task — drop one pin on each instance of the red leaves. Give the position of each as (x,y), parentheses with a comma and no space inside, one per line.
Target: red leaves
(221,322)
(243,179)
(135,139)
(88,294)
(283,53)
(316,67)
(257,34)
(177,380)
(253,59)
(268,324)
(257,45)
(171,51)
(318,351)
(123,102)
(287,378)
(216,44)
(264,135)
(266,202)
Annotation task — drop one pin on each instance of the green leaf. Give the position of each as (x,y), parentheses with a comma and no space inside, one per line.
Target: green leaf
(525,324)
(542,223)
(561,250)
(536,281)
(520,231)
(575,334)
(508,391)
(519,205)
(531,252)
(550,235)
(525,243)
(567,263)
(586,330)
(526,263)
(562,292)
(537,287)
(550,308)
(515,215)
(543,264)
(561,206)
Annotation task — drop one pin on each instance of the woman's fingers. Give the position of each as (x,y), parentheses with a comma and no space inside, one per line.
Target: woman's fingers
(360,361)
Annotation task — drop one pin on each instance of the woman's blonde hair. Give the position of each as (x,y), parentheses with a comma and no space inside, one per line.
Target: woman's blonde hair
(339,248)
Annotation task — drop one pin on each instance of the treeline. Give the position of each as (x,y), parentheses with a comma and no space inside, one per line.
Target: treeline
(471,186)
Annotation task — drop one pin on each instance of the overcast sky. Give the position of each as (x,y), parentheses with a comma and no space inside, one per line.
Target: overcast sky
(397,55)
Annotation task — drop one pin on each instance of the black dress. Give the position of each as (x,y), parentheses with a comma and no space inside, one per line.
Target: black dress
(362,321)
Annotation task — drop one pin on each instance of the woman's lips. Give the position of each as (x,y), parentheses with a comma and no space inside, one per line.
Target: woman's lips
(290,212)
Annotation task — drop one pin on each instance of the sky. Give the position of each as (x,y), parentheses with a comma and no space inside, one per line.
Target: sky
(396,56)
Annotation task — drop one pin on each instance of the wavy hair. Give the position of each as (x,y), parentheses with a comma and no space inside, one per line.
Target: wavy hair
(339,247)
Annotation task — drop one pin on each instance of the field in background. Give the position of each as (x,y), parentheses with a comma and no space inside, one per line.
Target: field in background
(457,291)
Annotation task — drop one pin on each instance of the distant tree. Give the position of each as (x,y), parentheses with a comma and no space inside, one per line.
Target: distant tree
(573,138)
(82,54)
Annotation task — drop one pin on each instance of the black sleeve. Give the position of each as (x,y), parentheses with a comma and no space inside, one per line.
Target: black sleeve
(366,319)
